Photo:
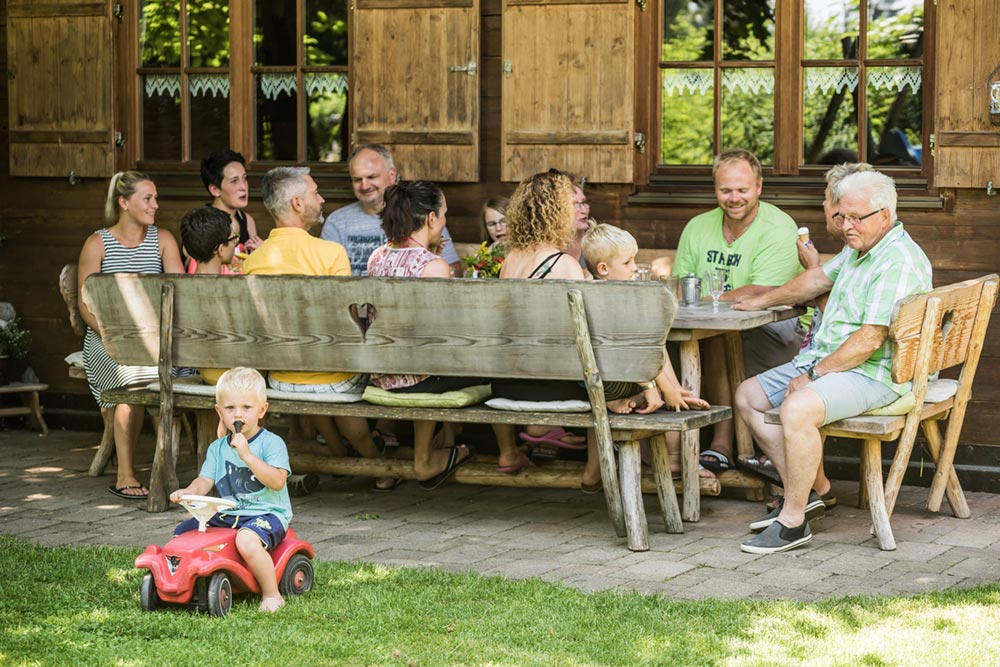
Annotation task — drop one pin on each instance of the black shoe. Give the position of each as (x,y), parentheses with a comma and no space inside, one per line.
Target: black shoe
(777,538)
(300,486)
(815,507)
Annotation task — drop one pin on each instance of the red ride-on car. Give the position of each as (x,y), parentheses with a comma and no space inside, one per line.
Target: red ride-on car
(202,568)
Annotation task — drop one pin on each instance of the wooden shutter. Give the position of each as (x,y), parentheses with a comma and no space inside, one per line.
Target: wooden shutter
(967,152)
(568,88)
(405,91)
(59,56)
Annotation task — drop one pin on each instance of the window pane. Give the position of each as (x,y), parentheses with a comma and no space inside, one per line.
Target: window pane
(831,29)
(161,117)
(748,30)
(895,115)
(748,111)
(276,96)
(159,34)
(274,32)
(326,138)
(688,29)
(829,108)
(686,120)
(208,33)
(896,29)
(209,112)
(325,37)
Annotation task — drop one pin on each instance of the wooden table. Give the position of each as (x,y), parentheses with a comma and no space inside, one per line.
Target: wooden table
(695,323)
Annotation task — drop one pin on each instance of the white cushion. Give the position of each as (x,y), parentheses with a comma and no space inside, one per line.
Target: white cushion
(538,406)
(940,390)
(75,359)
(272,394)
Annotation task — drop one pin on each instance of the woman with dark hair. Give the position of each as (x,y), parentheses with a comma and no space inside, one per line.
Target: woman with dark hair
(413,220)
(130,244)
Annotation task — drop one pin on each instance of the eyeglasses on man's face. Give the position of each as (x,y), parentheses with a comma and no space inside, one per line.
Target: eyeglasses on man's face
(495,224)
(855,219)
(580,205)
(234,237)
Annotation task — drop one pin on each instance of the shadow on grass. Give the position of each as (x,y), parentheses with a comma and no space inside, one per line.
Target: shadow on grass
(79,606)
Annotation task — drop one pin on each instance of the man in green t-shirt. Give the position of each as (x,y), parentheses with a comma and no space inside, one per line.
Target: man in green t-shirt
(755,242)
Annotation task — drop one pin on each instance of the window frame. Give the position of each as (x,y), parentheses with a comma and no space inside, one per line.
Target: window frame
(786,171)
(242,103)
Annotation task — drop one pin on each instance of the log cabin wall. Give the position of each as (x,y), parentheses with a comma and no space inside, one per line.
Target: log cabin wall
(45,221)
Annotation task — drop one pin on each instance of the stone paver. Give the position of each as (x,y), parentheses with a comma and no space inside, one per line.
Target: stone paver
(556,535)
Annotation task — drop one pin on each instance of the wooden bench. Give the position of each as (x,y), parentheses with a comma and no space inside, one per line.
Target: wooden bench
(561,330)
(930,332)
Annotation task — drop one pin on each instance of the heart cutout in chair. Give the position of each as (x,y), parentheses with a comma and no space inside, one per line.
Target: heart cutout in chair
(363,315)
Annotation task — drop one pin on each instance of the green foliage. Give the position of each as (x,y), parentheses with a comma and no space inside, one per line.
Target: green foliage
(14,341)
(80,607)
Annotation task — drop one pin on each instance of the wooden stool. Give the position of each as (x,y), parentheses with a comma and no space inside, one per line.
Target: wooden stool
(32,406)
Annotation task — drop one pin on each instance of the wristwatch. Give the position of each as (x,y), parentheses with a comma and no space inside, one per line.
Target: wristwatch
(813,375)
(648,385)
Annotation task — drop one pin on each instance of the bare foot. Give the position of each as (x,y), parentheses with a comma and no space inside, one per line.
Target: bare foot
(271,603)
(622,406)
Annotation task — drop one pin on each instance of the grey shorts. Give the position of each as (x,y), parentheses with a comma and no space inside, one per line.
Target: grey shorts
(353,385)
(845,394)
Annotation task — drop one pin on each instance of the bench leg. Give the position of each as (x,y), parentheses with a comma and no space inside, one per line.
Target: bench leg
(871,452)
(862,476)
(107,446)
(665,485)
(953,491)
(630,473)
(163,478)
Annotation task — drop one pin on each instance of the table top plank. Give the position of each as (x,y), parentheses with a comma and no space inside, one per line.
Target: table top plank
(692,319)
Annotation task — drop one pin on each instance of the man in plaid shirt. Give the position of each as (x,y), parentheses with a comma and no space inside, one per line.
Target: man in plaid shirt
(847,371)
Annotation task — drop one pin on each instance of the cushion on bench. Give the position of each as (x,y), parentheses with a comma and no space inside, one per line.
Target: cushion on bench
(538,406)
(459,398)
(272,394)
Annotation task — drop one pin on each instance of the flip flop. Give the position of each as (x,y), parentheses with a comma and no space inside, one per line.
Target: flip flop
(716,461)
(519,465)
(763,469)
(454,463)
(120,492)
(552,438)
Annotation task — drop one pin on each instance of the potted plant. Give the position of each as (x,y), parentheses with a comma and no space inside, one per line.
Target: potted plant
(14,343)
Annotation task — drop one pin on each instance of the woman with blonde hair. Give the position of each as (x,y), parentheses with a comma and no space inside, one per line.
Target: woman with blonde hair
(130,244)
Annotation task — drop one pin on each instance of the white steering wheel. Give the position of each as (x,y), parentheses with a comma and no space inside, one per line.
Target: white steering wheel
(204,508)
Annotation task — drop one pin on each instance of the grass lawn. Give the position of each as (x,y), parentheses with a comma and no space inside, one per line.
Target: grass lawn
(80,606)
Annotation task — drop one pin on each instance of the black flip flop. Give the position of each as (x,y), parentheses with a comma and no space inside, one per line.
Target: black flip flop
(454,463)
(715,461)
(120,492)
(765,470)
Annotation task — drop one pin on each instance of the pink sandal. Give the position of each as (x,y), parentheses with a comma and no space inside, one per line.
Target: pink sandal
(552,438)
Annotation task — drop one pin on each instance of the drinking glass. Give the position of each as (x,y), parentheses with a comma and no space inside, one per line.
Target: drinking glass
(643,272)
(716,281)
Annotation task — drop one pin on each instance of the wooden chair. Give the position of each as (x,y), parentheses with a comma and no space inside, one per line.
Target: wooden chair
(930,332)
(68,287)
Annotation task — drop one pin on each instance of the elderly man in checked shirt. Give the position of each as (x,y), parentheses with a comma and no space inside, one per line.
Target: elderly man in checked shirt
(847,372)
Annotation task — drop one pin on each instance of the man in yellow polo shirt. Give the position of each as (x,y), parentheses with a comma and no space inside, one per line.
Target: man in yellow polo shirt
(292,198)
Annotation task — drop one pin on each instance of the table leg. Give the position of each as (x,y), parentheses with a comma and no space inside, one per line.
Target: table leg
(734,369)
(690,441)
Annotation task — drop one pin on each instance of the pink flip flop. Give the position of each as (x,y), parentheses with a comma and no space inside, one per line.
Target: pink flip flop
(552,438)
(518,466)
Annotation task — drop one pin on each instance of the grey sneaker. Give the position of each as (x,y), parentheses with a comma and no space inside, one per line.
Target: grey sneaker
(300,486)
(777,538)
(815,507)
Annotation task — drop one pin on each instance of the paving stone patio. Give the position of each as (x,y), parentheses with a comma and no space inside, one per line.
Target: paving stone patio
(556,535)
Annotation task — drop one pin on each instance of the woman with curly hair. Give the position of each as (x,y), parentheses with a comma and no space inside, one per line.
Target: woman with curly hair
(540,226)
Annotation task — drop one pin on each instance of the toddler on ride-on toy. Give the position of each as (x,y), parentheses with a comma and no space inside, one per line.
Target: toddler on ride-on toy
(248,466)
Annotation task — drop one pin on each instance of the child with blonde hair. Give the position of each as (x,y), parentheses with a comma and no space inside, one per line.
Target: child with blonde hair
(250,466)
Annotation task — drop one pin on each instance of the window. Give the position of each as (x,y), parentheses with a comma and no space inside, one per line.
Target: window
(272,84)
(799,83)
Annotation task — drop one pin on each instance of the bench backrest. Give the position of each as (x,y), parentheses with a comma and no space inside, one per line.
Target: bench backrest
(492,328)
(960,325)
